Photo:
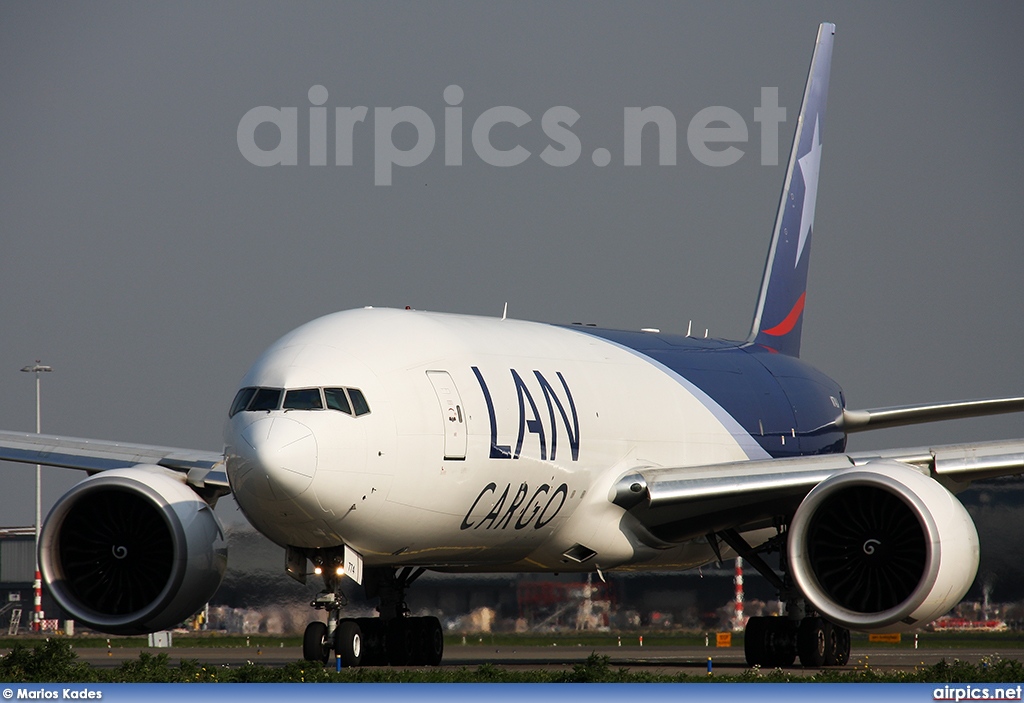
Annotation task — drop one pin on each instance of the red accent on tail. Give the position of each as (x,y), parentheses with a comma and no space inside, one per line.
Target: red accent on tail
(787,325)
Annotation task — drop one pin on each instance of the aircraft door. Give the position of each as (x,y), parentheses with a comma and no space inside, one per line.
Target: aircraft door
(452,414)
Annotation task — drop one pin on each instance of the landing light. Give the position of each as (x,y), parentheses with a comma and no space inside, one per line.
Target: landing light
(340,571)
(318,570)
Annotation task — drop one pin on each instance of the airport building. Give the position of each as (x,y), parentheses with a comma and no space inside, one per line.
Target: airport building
(17,571)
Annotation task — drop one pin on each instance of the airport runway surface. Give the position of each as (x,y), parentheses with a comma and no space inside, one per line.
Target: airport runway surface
(662,660)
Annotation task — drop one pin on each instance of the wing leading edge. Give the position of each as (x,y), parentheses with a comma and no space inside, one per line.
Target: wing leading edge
(676,504)
(203,469)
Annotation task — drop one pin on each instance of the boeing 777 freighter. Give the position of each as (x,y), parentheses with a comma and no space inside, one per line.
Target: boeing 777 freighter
(375,444)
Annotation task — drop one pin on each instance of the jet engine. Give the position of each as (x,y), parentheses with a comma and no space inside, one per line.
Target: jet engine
(882,548)
(132,550)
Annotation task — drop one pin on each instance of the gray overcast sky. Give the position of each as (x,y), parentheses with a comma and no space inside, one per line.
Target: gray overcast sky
(150,263)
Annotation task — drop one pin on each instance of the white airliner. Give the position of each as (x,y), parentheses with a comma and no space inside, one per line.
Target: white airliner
(374,444)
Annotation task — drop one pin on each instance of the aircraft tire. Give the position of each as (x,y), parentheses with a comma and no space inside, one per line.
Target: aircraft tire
(375,651)
(315,647)
(432,641)
(781,642)
(813,642)
(400,642)
(349,643)
(754,641)
(769,642)
(838,647)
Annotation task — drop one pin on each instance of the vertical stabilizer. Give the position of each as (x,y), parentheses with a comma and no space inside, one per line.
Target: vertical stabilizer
(778,319)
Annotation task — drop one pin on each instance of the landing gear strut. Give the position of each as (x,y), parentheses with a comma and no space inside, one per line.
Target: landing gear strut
(394,638)
(778,641)
(319,638)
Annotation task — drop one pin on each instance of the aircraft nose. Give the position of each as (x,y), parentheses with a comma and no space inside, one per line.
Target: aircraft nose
(284,451)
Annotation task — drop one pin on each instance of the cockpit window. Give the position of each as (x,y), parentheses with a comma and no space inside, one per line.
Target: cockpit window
(265,399)
(350,401)
(359,403)
(242,399)
(337,400)
(303,399)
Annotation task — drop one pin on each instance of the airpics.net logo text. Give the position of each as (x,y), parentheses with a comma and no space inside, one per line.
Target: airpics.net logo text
(712,134)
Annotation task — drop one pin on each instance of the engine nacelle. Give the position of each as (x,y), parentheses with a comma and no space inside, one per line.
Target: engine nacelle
(882,548)
(131,551)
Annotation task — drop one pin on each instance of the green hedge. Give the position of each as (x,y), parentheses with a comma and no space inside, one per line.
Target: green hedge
(54,661)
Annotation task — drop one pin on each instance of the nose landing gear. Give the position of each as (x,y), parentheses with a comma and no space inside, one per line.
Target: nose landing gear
(394,638)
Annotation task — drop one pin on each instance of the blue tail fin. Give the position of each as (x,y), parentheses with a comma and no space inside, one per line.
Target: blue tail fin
(778,320)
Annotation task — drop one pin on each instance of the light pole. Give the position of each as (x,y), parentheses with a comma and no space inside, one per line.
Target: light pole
(37,585)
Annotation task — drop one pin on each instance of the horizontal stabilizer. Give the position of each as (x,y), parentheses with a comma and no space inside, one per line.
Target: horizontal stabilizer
(879,418)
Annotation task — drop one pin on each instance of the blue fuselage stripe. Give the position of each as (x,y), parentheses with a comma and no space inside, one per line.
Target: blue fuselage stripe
(773,404)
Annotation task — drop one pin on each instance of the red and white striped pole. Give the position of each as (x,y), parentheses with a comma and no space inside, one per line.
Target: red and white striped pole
(737,623)
(37,616)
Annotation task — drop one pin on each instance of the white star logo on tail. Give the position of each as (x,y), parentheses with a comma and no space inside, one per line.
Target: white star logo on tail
(809,164)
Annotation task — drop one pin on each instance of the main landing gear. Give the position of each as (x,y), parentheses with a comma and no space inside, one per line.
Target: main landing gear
(393,638)
(778,641)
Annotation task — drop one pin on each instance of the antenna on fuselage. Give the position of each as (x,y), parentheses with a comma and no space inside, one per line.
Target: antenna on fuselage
(504,313)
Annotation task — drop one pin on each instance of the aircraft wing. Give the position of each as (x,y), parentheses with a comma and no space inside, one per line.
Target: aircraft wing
(204,469)
(676,504)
